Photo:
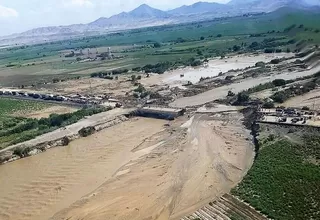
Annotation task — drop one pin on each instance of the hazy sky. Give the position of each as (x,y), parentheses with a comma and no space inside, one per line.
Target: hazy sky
(21,15)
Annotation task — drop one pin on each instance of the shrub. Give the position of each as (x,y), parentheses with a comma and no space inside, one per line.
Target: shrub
(85,132)
(196,63)
(280,97)
(268,105)
(136,69)
(279,82)
(275,61)
(156,45)
(140,89)
(236,48)
(260,64)
(242,98)
(269,50)
(231,94)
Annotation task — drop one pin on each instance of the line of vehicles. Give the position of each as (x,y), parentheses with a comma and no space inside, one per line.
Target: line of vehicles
(76,99)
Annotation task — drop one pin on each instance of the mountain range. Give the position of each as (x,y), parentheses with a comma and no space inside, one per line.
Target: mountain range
(145,16)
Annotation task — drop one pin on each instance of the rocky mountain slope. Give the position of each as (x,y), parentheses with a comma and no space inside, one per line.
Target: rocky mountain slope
(145,15)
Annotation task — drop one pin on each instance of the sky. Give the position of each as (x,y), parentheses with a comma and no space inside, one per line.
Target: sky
(21,15)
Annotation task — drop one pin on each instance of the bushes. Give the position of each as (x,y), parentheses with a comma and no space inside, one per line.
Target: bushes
(231,94)
(279,82)
(107,75)
(260,64)
(268,105)
(196,63)
(269,50)
(275,61)
(156,45)
(137,69)
(280,97)
(159,68)
(140,89)
(242,98)
(85,132)
(236,48)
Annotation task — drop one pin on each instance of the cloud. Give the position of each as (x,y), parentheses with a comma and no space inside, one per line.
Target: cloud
(7,12)
(80,3)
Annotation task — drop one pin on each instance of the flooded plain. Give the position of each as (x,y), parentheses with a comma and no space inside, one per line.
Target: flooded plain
(216,66)
(37,187)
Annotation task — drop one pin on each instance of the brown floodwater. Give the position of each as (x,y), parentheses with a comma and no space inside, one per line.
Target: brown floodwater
(37,187)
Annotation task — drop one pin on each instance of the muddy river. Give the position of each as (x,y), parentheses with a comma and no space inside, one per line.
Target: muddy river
(37,187)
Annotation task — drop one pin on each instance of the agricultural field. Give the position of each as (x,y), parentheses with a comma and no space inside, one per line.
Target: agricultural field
(16,126)
(11,106)
(285,178)
(8,109)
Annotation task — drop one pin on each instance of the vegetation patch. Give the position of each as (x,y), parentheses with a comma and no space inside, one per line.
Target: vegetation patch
(15,130)
(11,106)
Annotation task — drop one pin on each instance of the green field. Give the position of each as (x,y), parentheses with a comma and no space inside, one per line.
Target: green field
(10,107)
(15,130)
(284,182)
(283,29)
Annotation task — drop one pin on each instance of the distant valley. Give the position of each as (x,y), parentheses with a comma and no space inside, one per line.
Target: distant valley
(146,16)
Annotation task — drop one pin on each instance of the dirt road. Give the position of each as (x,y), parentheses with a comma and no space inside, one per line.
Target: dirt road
(175,172)
(221,92)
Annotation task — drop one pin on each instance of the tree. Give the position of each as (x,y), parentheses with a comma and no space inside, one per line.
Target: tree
(156,45)
(140,89)
(55,120)
(254,45)
(219,35)
(201,38)
(133,78)
(236,48)
(269,50)
(279,82)
(231,94)
(268,105)
(275,61)
(242,97)
(260,64)
(55,80)
(279,97)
